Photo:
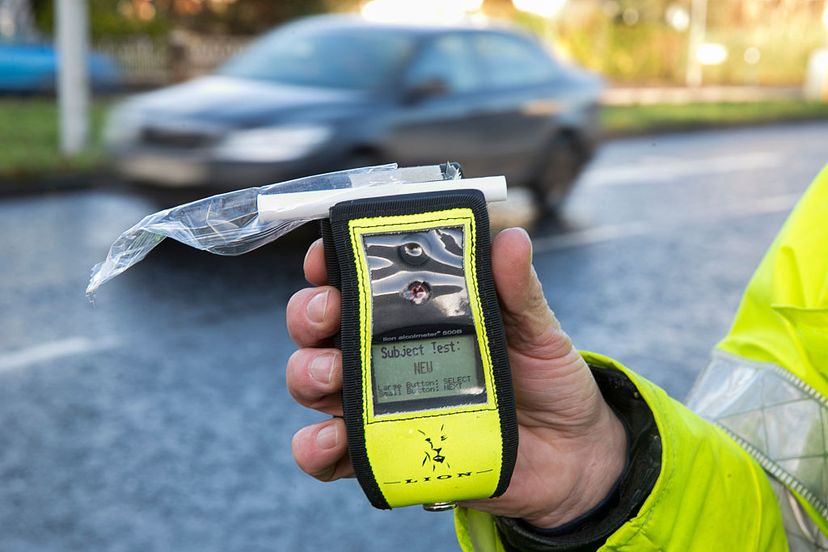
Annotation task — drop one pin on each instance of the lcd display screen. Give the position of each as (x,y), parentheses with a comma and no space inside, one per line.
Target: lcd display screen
(426,369)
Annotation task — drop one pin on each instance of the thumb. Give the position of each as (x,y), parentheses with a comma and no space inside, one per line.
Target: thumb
(553,385)
(531,326)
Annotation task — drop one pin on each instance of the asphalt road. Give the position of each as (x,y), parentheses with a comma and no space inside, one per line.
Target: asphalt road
(158,418)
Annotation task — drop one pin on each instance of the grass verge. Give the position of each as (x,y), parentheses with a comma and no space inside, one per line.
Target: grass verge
(643,119)
(29,140)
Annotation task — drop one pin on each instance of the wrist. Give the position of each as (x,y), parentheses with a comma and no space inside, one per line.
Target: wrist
(597,458)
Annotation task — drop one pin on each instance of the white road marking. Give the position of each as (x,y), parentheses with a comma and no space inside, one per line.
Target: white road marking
(52,350)
(651,170)
(599,234)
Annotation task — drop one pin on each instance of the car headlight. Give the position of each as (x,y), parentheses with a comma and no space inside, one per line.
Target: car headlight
(272,144)
(123,124)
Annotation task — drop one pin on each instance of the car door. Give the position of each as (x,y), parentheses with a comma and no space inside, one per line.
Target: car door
(439,113)
(524,92)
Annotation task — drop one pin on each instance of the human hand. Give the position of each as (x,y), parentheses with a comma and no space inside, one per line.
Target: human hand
(572,447)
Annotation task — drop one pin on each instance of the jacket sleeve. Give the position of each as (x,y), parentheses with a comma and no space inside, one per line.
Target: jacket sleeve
(709,494)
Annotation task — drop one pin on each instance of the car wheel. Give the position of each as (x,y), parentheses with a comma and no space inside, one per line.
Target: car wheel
(557,175)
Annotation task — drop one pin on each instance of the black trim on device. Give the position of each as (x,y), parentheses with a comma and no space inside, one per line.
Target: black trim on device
(342,272)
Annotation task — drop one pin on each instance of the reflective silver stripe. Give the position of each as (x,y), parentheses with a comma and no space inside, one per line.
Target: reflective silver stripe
(803,534)
(778,419)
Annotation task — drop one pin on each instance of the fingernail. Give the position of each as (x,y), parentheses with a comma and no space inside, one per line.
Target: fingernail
(313,246)
(528,239)
(321,368)
(327,437)
(317,306)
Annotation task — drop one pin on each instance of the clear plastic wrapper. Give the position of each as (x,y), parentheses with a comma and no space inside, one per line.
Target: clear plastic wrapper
(229,223)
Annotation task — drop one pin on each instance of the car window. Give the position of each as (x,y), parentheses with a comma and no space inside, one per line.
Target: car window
(359,59)
(448,59)
(511,61)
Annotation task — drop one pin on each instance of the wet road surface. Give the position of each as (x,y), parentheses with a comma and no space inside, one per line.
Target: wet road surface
(159,420)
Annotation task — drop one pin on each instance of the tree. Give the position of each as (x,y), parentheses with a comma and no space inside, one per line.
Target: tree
(110,18)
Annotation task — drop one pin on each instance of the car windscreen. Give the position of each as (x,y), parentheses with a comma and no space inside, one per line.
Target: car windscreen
(359,59)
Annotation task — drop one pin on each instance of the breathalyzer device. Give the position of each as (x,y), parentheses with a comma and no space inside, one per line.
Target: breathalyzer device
(427,392)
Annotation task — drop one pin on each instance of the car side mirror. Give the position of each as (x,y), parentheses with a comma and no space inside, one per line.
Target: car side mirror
(428,88)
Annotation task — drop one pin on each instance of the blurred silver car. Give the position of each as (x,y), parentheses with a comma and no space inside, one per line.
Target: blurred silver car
(333,92)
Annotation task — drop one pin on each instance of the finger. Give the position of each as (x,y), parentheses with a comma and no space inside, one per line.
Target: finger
(548,373)
(313,315)
(321,450)
(315,270)
(314,379)
(531,326)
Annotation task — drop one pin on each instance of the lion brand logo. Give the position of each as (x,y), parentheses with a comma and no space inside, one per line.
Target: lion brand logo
(434,460)
(433,454)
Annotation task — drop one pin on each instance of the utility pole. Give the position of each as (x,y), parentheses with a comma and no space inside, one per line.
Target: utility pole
(73,74)
(698,28)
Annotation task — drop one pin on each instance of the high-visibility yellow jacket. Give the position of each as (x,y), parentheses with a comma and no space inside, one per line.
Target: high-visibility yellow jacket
(756,478)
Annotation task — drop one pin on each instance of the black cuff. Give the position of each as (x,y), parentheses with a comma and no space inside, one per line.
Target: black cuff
(590,531)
